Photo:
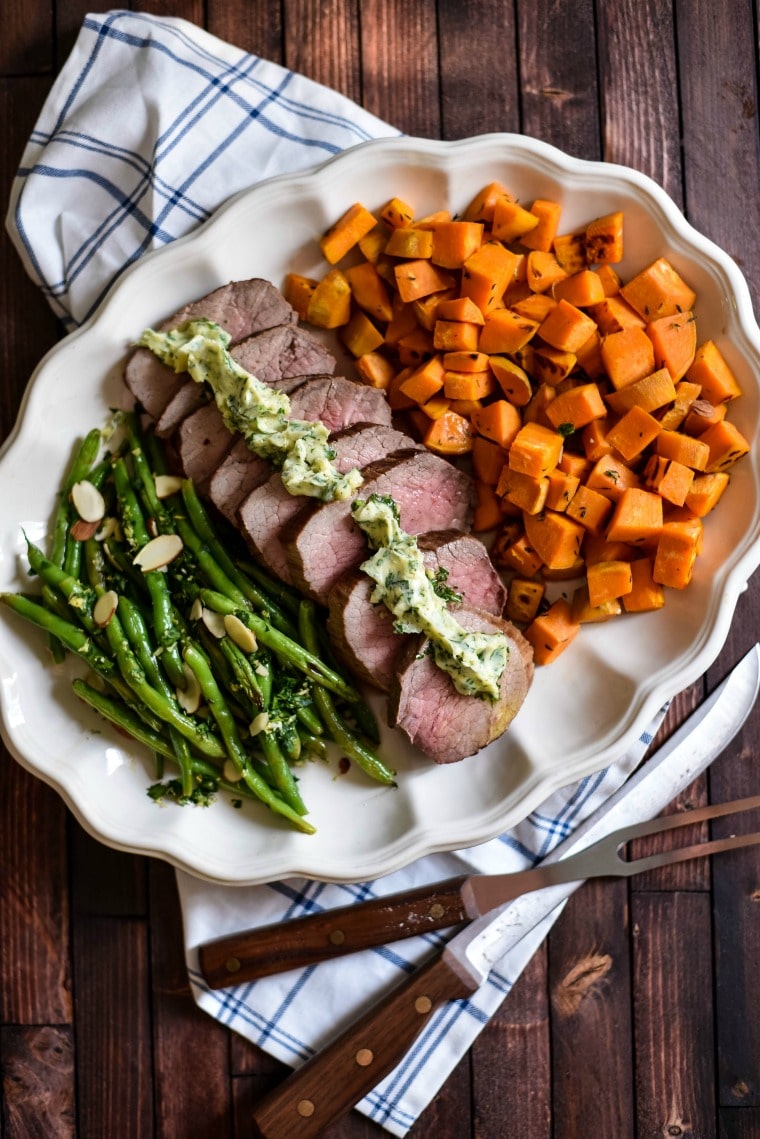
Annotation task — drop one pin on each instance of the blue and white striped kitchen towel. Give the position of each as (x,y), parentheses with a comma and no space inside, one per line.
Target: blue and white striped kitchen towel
(151,125)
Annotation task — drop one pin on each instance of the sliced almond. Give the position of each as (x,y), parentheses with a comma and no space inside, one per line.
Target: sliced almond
(189,697)
(158,552)
(258,723)
(152,527)
(81,530)
(214,622)
(89,502)
(231,773)
(110,528)
(243,637)
(196,610)
(167,485)
(105,607)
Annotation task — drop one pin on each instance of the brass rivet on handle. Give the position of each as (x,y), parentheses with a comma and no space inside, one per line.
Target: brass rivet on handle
(436,910)
(364,1057)
(423,1005)
(305,1108)
(232,964)
(337,937)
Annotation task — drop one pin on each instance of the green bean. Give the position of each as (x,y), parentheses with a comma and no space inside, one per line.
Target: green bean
(137,535)
(285,648)
(214,698)
(79,597)
(369,762)
(201,523)
(70,635)
(278,765)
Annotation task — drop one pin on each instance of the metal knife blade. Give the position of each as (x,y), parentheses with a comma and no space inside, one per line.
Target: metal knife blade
(312,1098)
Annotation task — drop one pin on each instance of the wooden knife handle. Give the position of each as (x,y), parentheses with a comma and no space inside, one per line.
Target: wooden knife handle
(342,1073)
(306,941)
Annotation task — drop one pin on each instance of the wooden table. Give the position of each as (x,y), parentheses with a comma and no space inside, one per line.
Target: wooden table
(640,1015)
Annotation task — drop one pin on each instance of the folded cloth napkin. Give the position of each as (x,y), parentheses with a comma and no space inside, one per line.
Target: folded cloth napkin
(150,126)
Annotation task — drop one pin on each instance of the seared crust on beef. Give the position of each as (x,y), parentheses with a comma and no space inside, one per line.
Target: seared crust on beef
(440,721)
(362,633)
(241,308)
(324,541)
(339,403)
(283,352)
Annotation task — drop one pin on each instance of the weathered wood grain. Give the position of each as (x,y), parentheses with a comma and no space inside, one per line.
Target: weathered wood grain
(191,1082)
(558,83)
(113,1033)
(393,32)
(38,1099)
(589,984)
(673,1014)
(511,1068)
(638,78)
(480,86)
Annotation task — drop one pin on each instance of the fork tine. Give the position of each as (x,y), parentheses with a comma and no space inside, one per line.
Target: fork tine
(686,818)
(683,853)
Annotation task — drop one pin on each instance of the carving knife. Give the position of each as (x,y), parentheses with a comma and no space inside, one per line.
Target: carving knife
(338,1076)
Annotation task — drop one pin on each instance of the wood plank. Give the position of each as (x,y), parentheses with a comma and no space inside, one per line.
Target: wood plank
(511,1061)
(589,975)
(736,924)
(405,96)
(192,1087)
(34,932)
(323,43)
(37,1066)
(112,1013)
(253,27)
(639,88)
(558,87)
(739,1123)
(479,80)
(26,46)
(717,81)
(672,1001)
(108,882)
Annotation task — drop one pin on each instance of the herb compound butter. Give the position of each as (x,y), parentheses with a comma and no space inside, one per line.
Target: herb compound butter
(259,412)
(474,661)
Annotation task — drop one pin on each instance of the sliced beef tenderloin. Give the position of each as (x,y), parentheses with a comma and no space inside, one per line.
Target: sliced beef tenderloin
(339,403)
(202,442)
(282,353)
(239,472)
(470,570)
(440,721)
(362,632)
(265,512)
(241,308)
(323,541)
(188,399)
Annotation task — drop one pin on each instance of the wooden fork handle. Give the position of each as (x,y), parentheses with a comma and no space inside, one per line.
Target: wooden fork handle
(294,944)
(342,1073)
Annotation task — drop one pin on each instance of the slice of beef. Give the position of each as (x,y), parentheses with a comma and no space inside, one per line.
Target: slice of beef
(239,472)
(470,570)
(284,352)
(323,542)
(202,442)
(188,399)
(362,632)
(265,512)
(440,721)
(241,308)
(339,403)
